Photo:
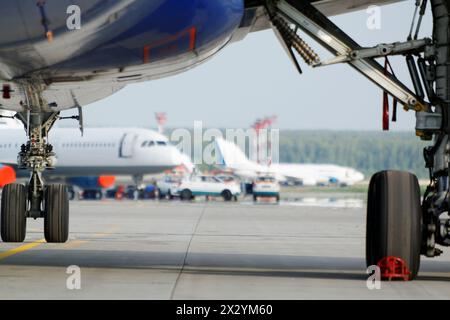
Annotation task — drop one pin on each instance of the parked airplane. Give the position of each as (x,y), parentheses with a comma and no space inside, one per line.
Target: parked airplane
(100,152)
(57,55)
(231,157)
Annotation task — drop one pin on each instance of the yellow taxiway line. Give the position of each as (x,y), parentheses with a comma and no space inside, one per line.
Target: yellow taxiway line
(71,244)
(20,249)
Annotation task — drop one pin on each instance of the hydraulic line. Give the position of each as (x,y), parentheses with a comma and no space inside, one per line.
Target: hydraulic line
(416,10)
(415,76)
(423,9)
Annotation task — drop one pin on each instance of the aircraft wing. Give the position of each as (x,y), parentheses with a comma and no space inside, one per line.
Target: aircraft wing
(335,7)
(256,18)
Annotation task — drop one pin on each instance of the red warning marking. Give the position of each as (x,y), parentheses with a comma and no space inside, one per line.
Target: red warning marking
(172,43)
(193,38)
(393,268)
(6,91)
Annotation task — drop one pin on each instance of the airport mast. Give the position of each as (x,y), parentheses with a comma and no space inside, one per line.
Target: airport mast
(261,140)
(161,119)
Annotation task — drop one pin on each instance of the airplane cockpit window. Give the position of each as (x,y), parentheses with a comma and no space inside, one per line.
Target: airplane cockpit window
(153,143)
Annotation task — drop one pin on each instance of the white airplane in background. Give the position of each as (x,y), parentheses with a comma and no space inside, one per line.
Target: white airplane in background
(99,152)
(231,157)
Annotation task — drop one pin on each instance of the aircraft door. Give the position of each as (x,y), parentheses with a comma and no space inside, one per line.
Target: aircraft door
(127,145)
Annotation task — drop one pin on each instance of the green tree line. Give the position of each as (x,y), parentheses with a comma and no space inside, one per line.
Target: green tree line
(368,152)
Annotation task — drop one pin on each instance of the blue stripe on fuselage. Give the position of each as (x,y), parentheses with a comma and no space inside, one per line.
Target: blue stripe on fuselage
(165,31)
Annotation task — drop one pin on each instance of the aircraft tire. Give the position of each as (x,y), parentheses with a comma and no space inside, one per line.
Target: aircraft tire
(394,219)
(56,218)
(13,213)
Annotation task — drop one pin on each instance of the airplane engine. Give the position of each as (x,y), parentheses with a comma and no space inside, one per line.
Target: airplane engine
(93,183)
(7,175)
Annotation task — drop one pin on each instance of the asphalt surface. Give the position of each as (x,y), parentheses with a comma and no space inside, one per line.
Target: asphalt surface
(210,250)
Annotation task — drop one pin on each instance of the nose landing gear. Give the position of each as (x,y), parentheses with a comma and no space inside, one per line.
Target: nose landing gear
(35,200)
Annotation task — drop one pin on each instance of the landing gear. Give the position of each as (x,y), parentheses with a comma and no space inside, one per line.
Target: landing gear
(397,224)
(13,213)
(394,218)
(35,200)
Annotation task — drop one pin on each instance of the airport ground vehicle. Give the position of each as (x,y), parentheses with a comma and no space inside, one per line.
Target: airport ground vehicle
(207,186)
(166,185)
(266,187)
(132,193)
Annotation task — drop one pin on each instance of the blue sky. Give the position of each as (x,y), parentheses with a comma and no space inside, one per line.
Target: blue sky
(254,78)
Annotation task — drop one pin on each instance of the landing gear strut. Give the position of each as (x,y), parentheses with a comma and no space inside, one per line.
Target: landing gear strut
(35,200)
(398,225)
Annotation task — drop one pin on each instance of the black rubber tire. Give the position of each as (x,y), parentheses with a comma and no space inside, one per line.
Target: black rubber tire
(255,198)
(13,213)
(56,218)
(227,195)
(394,218)
(186,195)
(278,198)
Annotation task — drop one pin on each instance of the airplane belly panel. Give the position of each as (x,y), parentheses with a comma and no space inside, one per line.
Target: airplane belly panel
(119,42)
(173,32)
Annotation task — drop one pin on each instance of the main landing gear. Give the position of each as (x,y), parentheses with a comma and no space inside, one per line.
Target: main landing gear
(400,225)
(35,199)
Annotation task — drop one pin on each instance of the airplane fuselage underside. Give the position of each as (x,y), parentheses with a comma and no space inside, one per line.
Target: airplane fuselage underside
(119,42)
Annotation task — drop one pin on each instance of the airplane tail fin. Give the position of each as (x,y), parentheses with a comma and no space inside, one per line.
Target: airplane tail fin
(229,155)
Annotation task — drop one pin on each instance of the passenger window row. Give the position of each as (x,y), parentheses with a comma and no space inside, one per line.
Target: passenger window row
(88,145)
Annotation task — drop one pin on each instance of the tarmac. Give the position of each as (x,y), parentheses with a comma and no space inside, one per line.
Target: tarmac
(208,250)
